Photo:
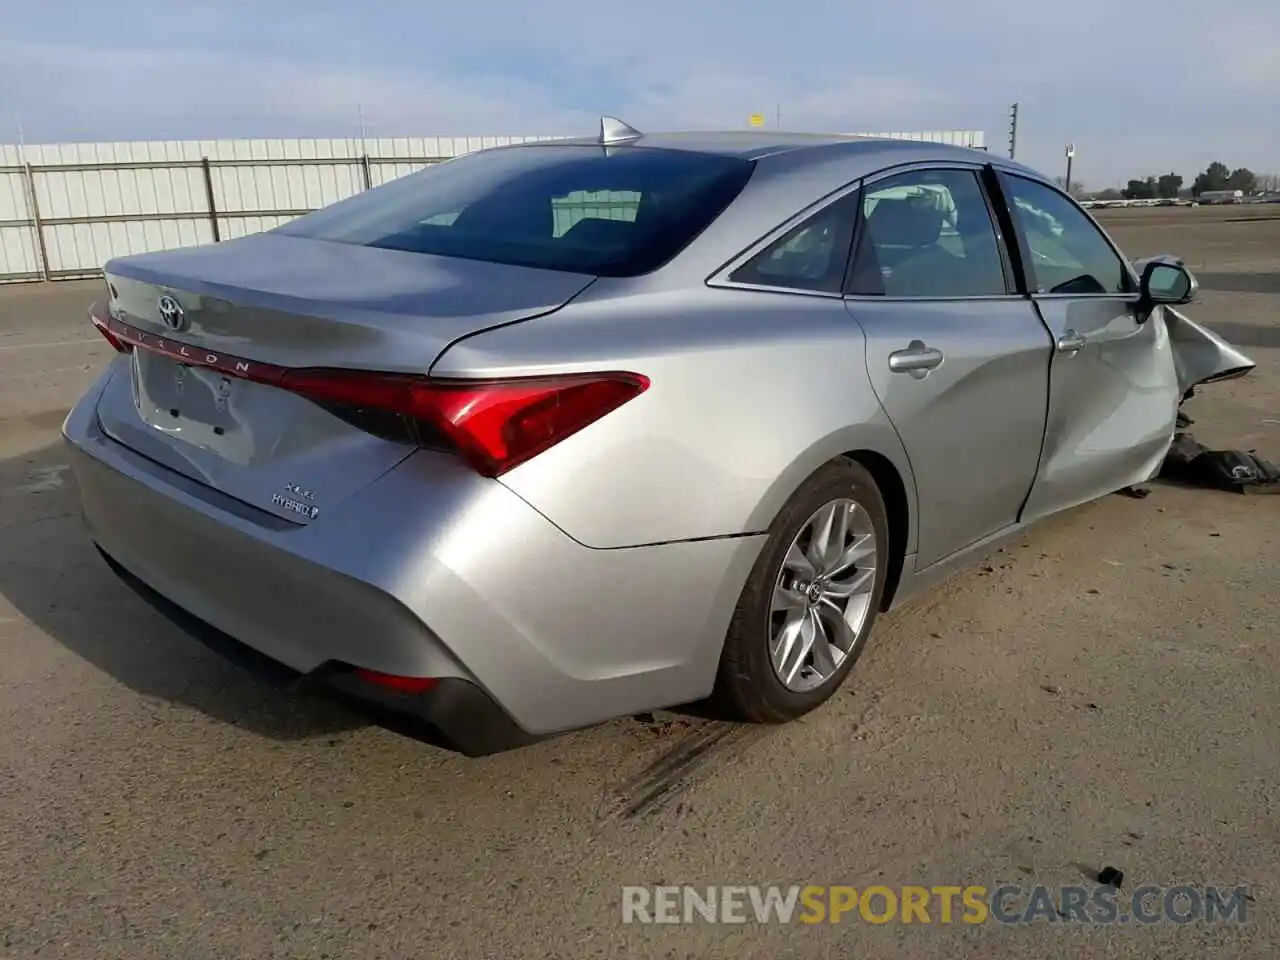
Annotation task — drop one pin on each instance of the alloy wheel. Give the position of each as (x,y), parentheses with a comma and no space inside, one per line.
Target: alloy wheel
(822,595)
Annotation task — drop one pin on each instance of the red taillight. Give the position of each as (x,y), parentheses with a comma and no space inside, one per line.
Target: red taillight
(100,318)
(496,424)
(394,682)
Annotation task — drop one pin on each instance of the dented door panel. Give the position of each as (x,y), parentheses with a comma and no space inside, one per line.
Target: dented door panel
(1113,401)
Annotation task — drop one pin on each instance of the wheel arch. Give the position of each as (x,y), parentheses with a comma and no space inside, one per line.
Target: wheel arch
(874,446)
(896,505)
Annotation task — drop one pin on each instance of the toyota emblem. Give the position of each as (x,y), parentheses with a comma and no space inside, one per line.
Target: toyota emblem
(171,313)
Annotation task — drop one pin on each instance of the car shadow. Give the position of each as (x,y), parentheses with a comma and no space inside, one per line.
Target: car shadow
(52,574)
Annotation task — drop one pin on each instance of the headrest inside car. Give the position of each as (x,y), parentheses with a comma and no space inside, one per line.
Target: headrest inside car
(905,222)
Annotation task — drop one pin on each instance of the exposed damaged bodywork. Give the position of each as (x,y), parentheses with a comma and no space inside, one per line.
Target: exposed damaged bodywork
(1199,355)
(1119,374)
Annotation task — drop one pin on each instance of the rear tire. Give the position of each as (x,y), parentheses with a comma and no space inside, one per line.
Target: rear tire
(811,599)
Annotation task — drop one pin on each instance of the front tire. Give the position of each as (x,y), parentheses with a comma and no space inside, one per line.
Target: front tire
(811,599)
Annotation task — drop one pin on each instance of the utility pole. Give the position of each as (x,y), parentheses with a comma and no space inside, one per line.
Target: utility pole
(778,116)
(1013,131)
(1071,154)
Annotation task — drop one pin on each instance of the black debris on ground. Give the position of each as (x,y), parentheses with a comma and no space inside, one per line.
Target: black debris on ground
(1241,471)
(1137,493)
(1189,461)
(1111,877)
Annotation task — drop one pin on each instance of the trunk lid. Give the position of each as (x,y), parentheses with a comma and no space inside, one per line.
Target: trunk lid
(278,301)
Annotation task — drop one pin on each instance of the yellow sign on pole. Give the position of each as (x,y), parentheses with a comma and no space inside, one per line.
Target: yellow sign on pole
(757,119)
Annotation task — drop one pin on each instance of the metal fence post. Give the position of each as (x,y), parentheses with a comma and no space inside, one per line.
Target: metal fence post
(42,251)
(367,171)
(208,195)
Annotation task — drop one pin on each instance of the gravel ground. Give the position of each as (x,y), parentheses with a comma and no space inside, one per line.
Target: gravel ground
(1105,691)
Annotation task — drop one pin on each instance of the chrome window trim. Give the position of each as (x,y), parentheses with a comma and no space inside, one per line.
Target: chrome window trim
(1126,297)
(982,297)
(788,291)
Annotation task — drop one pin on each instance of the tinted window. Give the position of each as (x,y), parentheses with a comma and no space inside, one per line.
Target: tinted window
(811,256)
(927,234)
(1068,252)
(617,212)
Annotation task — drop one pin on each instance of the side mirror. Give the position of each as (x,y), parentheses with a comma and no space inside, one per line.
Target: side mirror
(1167,281)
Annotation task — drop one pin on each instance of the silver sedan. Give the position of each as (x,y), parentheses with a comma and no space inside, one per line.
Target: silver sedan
(554,433)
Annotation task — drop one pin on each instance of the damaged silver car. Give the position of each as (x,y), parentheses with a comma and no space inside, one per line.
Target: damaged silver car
(564,431)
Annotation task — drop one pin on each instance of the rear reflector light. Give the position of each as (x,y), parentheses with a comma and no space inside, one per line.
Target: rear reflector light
(101,320)
(394,682)
(495,424)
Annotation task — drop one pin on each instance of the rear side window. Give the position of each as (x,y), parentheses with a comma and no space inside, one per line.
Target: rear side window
(811,256)
(927,233)
(582,209)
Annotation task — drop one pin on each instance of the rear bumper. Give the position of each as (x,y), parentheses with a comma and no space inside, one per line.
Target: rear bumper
(455,714)
(430,571)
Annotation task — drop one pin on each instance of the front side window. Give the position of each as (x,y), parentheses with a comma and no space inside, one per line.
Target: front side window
(1068,252)
(927,234)
(583,209)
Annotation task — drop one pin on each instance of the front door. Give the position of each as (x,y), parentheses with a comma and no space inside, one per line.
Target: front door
(959,361)
(1113,391)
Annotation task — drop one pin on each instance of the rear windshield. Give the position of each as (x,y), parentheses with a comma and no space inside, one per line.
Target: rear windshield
(583,209)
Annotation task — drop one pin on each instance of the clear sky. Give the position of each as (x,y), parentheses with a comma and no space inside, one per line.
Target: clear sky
(1140,87)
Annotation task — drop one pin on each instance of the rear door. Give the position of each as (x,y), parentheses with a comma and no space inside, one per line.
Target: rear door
(958,358)
(1113,391)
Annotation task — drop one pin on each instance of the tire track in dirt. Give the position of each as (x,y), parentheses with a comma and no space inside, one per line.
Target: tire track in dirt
(695,756)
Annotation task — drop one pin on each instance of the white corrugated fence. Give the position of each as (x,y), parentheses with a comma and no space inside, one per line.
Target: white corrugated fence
(65,209)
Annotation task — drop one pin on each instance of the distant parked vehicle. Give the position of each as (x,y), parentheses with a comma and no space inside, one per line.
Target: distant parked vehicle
(1221,196)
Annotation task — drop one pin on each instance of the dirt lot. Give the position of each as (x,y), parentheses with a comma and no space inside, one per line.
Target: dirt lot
(1105,692)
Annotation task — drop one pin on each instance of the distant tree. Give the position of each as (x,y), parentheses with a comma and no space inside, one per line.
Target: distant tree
(1269,182)
(1076,188)
(1242,178)
(1168,185)
(1140,189)
(1215,177)
(1111,193)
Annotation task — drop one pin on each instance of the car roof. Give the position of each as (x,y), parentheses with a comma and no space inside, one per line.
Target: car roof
(745,144)
(796,147)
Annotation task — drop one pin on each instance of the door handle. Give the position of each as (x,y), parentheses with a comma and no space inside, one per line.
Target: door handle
(917,359)
(1071,342)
